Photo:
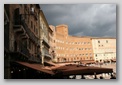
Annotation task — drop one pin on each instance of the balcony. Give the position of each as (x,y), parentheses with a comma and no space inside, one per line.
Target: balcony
(24,36)
(48,56)
(29,32)
(46,44)
(18,27)
(20,53)
(21,27)
(45,41)
(19,30)
(33,59)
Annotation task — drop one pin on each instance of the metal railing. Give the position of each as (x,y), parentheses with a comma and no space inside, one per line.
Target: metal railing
(29,32)
(21,21)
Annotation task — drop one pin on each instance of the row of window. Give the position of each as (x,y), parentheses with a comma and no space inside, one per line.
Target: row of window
(105,45)
(112,54)
(72,43)
(105,49)
(27,17)
(106,41)
(34,28)
(78,43)
(59,41)
(106,58)
(62,48)
(100,45)
(73,55)
(73,59)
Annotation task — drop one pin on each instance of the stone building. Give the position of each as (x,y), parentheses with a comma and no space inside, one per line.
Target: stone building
(82,48)
(45,31)
(29,43)
(6,42)
(21,36)
(104,49)
(52,42)
(72,48)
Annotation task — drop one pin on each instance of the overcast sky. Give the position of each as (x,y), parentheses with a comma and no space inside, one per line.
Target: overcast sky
(97,20)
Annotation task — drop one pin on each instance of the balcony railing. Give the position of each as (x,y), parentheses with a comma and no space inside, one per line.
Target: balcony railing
(21,21)
(33,59)
(48,56)
(29,32)
(20,53)
(46,44)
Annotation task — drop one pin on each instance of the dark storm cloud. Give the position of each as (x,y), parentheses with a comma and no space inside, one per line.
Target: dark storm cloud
(83,19)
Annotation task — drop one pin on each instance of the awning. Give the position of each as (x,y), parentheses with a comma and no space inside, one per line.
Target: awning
(36,67)
(87,71)
(50,63)
(82,70)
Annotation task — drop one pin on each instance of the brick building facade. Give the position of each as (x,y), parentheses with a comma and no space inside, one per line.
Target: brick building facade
(72,48)
(22,34)
(104,49)
(77,49)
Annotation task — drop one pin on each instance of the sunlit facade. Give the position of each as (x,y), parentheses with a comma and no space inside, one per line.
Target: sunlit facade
(77,48)
(104,48)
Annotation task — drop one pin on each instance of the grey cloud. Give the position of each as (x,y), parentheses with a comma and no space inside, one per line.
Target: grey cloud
(83,19)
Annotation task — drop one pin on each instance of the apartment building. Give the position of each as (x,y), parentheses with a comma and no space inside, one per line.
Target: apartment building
(72,48)
(52,42)
(26,40)
(104,49)
(82,48)
(45,33)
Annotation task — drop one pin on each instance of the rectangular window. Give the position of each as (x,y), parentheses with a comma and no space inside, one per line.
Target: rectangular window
(98,41)
(29,44)
(28,20)
(37,31)
(31,25)
(90,58)
(90,54)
